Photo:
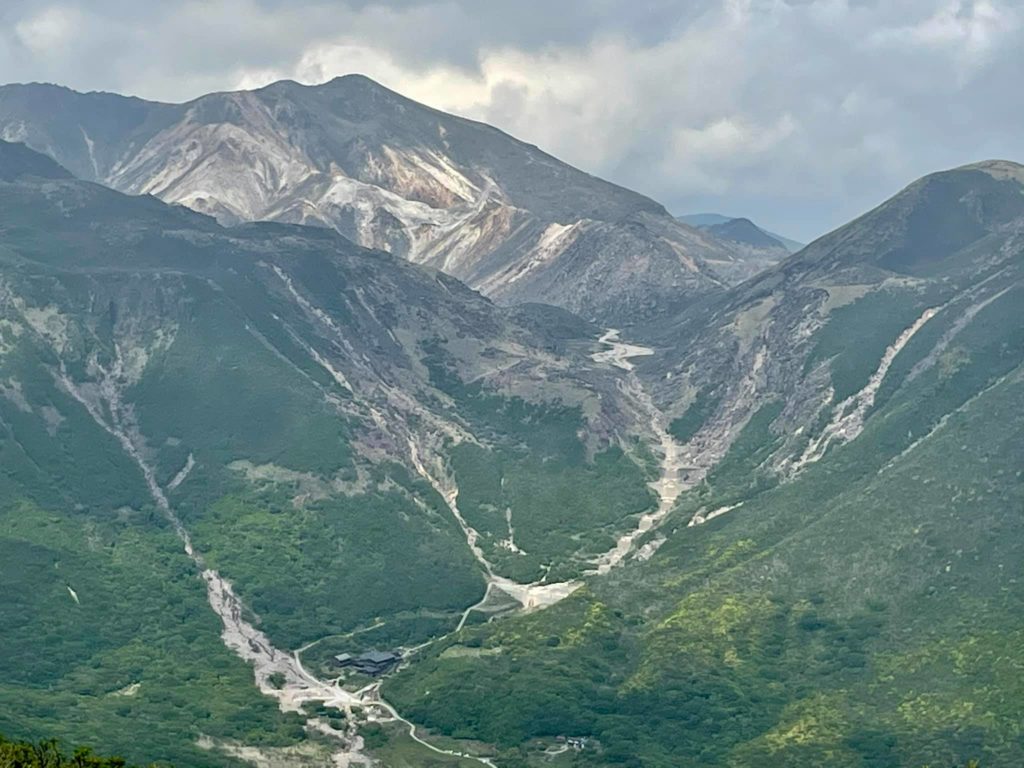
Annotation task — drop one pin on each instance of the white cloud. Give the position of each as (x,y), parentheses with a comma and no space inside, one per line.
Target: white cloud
(440,85)
(49,31)
(729,144)
(968,32)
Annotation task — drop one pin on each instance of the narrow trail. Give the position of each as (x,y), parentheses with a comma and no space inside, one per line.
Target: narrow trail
(415,737)
(368,628)
(482,601)
(670,453)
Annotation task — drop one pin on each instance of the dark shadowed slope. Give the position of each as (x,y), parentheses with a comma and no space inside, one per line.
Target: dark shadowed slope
(745,231)
(712,221)
(18,161)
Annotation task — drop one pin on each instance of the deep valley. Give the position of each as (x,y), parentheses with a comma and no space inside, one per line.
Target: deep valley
(302,373)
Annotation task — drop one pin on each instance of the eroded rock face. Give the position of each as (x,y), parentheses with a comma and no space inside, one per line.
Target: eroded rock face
(504,217)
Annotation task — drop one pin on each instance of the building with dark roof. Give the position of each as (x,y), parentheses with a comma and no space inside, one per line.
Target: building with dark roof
(371,663)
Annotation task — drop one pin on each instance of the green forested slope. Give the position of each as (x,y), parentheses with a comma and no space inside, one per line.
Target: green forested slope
(49,754)
(270,381)
(837,585)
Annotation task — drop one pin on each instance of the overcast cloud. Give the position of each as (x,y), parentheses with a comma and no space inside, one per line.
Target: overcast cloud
(797,113)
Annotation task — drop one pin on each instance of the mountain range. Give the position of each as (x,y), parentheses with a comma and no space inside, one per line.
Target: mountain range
(501,215)
(768,521)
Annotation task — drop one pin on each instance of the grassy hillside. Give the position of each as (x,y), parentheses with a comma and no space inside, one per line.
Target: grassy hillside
(108,640)
(329,429)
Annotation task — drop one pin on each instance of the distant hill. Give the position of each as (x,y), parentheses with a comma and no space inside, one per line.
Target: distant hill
(755,247)
(746,232)
(714,221)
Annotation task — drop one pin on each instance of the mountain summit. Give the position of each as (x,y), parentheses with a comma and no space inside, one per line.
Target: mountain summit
(389,173)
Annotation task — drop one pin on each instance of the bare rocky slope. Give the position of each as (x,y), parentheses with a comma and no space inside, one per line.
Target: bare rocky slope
(389,173)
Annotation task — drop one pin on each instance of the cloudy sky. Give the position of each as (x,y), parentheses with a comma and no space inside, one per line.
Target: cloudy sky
(797,113)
